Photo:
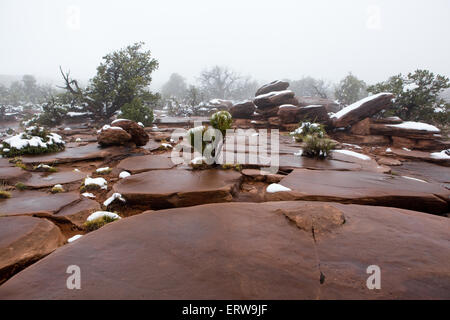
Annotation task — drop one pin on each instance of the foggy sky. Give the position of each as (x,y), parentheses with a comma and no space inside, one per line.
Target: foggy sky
(264,39)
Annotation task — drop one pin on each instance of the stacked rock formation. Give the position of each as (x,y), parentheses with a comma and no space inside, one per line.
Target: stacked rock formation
(275,105)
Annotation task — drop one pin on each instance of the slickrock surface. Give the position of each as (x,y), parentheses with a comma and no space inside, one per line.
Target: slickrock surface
(176,188)
(36,203)
(12,175)
(146,163)
(87,152)
(44,180)
(251,251)
(364,188)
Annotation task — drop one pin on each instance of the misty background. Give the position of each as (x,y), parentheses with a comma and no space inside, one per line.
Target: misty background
(265,40)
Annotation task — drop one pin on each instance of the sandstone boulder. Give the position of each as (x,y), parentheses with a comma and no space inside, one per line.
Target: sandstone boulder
(274,99)
(276,85)
(113,136)
(243,110)
(138,134)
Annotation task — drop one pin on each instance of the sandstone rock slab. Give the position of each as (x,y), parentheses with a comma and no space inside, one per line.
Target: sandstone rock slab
(364,108)
(24,240)
(251,251)
(177,188)
(363,187)
(146,163)
(36,203)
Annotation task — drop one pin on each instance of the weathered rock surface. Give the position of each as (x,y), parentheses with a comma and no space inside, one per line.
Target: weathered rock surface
(294,114)
(146,163)
(36,203)
(419,155)
(371,140)
(178,188)
(330,105)
(243,110)
(251,251)
(87,152)
(110,137)
(425,171)
(77,213)
(364,108)
(291,161)
(276,85)
(364,188)
(45,180)
(138,134)
(12,175)
(274,99)
(23,240)
(361,127)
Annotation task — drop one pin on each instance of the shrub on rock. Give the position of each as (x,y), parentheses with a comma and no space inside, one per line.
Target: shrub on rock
(35,140)
(222,121)
(308,128)
(317,147)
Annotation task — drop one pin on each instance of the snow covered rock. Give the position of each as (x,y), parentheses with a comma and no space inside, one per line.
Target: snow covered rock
(138,134)
(275,99)
(113,136)
(361,109)
(276,85)
(100,214)
(34,140)
(275,187)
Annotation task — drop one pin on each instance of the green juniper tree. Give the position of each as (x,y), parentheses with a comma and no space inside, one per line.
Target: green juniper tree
(350,89)
(417,96)
(123,76)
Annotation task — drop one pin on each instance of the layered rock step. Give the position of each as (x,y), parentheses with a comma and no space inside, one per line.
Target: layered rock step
(61,207)
(24,240)
(146,163)
(178,188)
(251,251)
(87,152)
(45,180)
(361,109)
(12,175)
(364,188)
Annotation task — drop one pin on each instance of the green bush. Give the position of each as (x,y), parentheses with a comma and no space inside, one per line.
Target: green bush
(222,121)
(98,223)
(20,186)
(5,194)
(317,146)
(308,128)
(417,97)
(138,112)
